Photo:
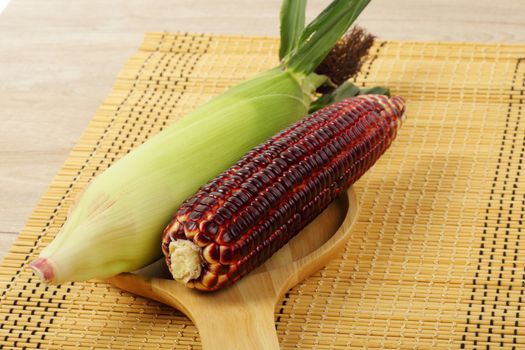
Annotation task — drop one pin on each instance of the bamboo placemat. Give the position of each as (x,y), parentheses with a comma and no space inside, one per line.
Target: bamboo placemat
(435,261)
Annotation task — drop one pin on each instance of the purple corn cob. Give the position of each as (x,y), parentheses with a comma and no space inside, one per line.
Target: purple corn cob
(244,215)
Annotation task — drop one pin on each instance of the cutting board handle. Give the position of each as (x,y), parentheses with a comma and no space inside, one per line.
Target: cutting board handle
(242,328)
(248,325)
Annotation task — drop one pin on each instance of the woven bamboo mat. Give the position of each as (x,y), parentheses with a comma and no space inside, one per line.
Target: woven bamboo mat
(436,259)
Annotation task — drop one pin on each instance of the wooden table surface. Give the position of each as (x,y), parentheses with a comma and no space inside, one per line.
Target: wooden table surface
(59,59)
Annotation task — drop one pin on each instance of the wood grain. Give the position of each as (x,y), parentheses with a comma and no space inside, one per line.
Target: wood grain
(60,58)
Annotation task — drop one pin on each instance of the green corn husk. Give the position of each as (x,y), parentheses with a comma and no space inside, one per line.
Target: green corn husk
(117,224)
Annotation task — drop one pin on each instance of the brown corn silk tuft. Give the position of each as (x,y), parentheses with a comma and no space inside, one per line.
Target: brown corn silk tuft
(248,212)
(346,58)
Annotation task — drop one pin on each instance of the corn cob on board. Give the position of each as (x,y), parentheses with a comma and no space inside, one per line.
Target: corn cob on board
(435,258)
(245,214)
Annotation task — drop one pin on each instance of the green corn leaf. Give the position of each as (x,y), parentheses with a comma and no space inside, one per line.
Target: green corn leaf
(292,25)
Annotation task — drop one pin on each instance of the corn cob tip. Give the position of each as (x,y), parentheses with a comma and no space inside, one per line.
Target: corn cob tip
(44,269)
(185,261)
(395,106)
(398,104)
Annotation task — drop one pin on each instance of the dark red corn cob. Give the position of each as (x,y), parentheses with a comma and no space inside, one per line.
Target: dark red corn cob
(243,216)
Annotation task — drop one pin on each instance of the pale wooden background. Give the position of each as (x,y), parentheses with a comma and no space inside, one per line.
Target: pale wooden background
(59,58)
